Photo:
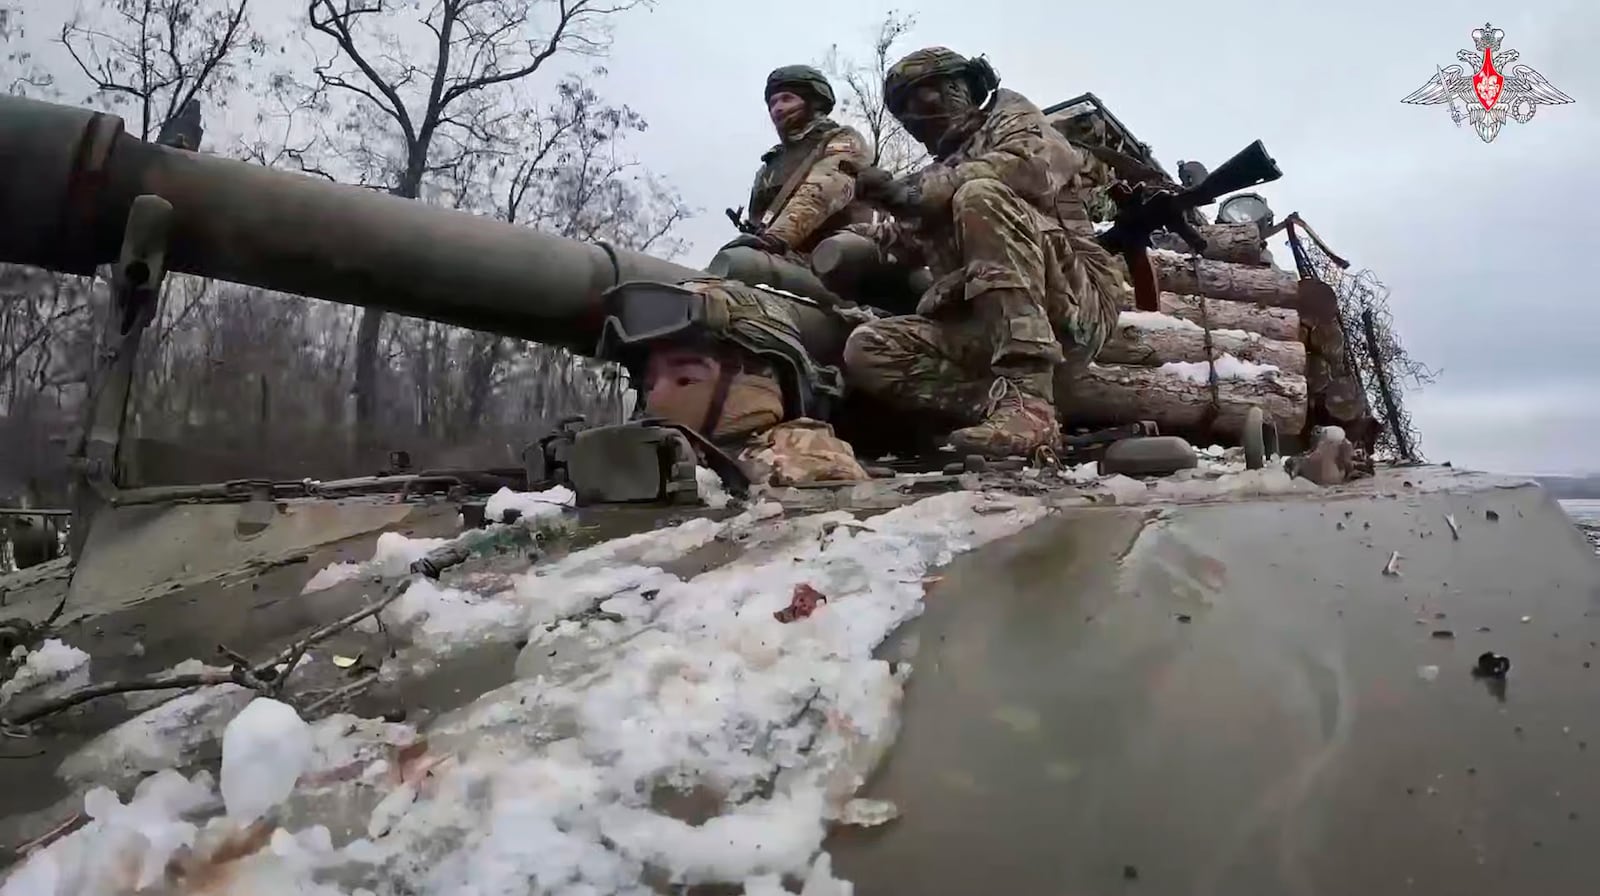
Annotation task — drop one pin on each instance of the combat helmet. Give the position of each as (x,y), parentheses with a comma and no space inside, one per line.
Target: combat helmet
(936,62)
(804,80)
(712,310)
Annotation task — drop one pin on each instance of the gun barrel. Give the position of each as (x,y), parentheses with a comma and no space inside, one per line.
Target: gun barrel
(68,177)
(1249,167)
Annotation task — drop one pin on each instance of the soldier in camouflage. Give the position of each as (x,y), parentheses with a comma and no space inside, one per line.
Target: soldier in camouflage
(803,192)
(1020,283)
(722,382)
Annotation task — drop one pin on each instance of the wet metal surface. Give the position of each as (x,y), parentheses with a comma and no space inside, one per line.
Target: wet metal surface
(1242,705)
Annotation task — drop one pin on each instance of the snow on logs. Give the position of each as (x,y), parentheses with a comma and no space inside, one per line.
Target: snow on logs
(1234,320)
(1148,339)
(1282,324)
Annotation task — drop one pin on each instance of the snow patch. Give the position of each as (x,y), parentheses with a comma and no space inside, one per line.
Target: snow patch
(124,848)
(533,506)
(712,494)
(333,574)
(1155,320)
(53,668)
(695,695)
(265,750)
(1228,368)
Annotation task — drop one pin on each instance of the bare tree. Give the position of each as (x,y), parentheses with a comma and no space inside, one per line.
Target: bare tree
(425,93)
(156,57)
(861,102)
(20,75)
(559,167)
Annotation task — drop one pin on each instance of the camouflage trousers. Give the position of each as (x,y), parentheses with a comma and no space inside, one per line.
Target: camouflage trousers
(1026,297)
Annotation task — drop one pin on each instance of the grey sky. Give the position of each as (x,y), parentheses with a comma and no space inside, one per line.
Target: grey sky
(1484,246)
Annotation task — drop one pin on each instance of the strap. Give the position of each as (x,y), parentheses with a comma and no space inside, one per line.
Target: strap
(719,397)
(796,179)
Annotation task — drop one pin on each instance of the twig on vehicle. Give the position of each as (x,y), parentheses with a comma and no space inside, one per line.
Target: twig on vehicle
(263,678)
(341,693)
(50,836)
(107,688)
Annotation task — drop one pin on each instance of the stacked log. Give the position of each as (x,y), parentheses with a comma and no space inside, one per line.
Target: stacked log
(1150,339)
(1227,338)
(1186,275)
(1273,323)
(1236,243)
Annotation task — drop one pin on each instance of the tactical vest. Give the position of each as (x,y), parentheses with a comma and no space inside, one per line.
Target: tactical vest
(779,163)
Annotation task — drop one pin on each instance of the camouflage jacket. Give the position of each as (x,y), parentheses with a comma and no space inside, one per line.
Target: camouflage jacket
(1017,146)
(823,203)
(1014,144)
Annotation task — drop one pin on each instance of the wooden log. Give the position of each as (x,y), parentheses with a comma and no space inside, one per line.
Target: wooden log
(1236,243)
(1109,395)
(1221,280)
(1273,323)
(1149,340)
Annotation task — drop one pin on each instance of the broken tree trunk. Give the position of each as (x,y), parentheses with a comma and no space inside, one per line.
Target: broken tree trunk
(1221,280)
(1107,395)
(1237,243)
(1150,340)
(1273,323)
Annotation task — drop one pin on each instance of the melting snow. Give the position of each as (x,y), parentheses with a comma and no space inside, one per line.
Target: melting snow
(1154,320)
(1228,368)
(265,749)
(547,504)
(54,668)
(554,783)
(712,494)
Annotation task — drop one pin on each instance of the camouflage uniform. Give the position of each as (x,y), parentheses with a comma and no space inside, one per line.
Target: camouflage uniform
(1001,221)
(823,203)
(743,323)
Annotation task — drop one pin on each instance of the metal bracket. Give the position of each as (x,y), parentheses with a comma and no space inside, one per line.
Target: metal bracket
(135,295)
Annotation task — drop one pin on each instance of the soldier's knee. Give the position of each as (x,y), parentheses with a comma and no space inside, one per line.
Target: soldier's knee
(982,193)
(864,349)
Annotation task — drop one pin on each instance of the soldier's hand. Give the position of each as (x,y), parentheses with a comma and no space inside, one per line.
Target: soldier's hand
(765,242)
(871,183)
(855,314)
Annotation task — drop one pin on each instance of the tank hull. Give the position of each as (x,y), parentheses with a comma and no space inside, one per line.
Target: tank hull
(1234,698)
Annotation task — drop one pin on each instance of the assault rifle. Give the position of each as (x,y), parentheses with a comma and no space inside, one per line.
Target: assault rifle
(1143,208)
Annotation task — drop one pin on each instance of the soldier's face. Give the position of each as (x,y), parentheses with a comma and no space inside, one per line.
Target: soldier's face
(929,111)
(786,110)
(679,383)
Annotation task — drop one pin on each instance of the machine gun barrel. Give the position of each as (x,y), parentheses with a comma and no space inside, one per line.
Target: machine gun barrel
(68,178)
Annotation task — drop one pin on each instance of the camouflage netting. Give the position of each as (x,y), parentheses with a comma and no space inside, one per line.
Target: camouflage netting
(1373,355)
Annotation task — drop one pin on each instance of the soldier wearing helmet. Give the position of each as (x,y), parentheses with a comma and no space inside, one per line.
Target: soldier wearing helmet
(736,372)
(803,193)
(1020,284)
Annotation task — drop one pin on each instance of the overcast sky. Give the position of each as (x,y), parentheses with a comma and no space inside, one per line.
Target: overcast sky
(1486,248)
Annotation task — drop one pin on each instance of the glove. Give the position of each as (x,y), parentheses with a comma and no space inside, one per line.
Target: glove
(878,185)
(855,314)
(765,242)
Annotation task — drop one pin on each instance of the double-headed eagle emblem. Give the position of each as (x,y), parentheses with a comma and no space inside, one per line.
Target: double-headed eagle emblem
(1487,97)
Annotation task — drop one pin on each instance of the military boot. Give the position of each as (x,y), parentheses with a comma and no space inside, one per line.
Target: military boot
(1017,421)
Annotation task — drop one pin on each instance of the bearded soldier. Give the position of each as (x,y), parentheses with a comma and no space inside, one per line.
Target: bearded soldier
(1020,284)
(806,186)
